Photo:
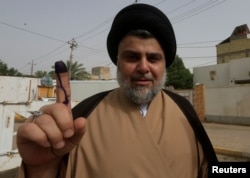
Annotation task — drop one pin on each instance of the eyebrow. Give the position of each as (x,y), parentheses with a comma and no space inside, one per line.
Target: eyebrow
(155,55)
(132,52)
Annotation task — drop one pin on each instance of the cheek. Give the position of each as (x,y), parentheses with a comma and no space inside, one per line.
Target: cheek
(126,70)
(158,72)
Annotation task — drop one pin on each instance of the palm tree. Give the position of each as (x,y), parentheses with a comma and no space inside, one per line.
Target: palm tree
(77,71)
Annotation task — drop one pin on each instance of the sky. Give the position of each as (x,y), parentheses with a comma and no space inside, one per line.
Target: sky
(34,34)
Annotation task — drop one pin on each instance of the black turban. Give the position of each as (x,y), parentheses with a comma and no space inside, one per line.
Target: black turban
(143,17)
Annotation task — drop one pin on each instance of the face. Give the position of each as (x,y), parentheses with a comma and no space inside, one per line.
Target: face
(141,69)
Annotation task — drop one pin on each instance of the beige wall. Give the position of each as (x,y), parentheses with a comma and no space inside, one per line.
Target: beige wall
(226,101)
(228,104)
(82,89)
(102,73)
(235,49)
(223,75)
(212,76)
(229,101)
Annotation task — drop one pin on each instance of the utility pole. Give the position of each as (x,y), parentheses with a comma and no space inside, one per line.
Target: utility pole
(32,67)
(72,46)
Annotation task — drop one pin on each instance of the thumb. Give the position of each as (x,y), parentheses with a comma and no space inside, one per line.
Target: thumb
(80,128)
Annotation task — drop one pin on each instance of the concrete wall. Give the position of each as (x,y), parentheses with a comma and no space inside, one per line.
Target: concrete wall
(15,92)
(83,89)
(228,105)
(17,96)
(212,76)
(223,75)
(18,89)
(240,69)
(225,100)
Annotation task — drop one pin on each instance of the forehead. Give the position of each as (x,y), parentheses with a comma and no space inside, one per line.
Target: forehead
(135,43)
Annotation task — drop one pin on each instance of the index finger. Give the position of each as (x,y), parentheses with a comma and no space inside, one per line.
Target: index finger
(63,92)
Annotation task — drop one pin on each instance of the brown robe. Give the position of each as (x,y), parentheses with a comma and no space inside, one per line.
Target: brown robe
(119,142)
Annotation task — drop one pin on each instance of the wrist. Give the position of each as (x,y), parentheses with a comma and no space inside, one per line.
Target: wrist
(47,170)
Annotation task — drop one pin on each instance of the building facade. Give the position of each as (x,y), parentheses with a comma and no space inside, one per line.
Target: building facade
(226,91)
(236,46)
(102,73)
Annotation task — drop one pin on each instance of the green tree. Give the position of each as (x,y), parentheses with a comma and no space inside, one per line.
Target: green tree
(5,71)
(41,73)
(77,71)
(178,76)
(3,68)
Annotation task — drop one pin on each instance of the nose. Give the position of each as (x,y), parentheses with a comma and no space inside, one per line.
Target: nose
(143,65)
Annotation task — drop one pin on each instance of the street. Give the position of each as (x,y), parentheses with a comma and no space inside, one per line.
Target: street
(231,142)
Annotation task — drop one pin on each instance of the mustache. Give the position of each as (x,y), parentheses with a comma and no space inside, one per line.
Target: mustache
(142,77)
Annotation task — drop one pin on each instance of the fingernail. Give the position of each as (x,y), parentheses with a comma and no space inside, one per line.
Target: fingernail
(60,67)
(68,133)
(59,145)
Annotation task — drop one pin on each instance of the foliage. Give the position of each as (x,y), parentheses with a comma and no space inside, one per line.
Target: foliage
(76,70)
(41,74)
(178,76)
(6,71)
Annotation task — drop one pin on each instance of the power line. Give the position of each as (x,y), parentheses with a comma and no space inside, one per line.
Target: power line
(95,28)
(38,59)
(180,7)
(159,3)
(195,9)
(93,32)
(199,57)
(197,47)
(200,42)
(49,53)
(35,33)
(210,62)
(202,8)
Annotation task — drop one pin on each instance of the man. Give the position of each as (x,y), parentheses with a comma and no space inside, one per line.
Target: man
(137,130)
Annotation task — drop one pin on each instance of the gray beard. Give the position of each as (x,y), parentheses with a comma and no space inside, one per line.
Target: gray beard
(140,94)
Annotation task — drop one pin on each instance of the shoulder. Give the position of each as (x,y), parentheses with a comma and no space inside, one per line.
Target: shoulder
(178,99)
(85,107)
(184,104)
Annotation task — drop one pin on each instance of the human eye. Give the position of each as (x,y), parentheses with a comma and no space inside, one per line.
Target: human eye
(153,58)
(130,56)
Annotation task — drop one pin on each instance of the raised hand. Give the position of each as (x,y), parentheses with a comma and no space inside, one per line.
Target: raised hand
(42,142)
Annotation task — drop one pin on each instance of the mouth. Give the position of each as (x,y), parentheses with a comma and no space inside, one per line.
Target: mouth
(142,81)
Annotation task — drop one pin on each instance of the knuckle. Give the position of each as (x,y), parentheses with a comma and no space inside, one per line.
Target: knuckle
(23,129)
(45,119)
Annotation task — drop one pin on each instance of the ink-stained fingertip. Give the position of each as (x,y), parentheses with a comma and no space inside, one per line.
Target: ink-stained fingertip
(60,67)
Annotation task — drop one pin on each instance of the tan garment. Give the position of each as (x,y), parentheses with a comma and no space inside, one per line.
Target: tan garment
(119,142)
